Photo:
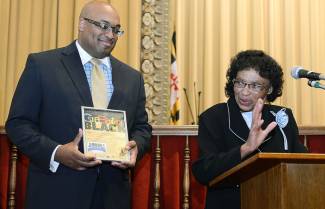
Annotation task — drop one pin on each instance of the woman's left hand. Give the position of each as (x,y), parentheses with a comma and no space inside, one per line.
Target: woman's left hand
(257,134)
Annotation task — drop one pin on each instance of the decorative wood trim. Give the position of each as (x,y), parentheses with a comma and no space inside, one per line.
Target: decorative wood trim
(156,198)
(155,59)
(311,130)
(192,130)
(168,130)
(12,177)
(186,175)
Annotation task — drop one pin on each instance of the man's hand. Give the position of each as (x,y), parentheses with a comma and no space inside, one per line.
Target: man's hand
(257,134)
(69,155)
(132,147)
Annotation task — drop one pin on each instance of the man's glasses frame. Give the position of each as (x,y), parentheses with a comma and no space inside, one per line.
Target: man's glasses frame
(106,26)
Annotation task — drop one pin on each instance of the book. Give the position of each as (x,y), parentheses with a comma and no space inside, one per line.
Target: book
(105,133)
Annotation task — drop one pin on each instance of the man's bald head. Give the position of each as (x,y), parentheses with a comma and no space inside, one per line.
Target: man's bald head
(97,42)
(94,6)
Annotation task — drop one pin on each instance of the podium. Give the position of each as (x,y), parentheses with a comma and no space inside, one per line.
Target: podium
(279,180)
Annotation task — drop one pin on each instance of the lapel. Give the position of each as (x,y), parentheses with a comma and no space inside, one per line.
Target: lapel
(237,124)
(117,98)
(268,118)
(72,62)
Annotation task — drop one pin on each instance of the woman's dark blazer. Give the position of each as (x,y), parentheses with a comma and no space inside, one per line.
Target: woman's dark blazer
(222,130)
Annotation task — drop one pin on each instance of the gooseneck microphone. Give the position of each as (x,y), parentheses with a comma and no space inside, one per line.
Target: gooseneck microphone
(316,84)
(299,72)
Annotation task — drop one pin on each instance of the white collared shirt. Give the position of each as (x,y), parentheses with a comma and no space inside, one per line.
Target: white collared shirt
(85,57)
(107,69)
(248,117)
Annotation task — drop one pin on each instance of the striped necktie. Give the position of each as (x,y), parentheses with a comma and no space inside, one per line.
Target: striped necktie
(99,89)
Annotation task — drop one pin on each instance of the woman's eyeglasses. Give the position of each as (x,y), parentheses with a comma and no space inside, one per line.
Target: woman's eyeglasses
(253,87)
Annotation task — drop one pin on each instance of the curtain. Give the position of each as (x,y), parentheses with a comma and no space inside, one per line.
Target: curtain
(210,32)
(36,25)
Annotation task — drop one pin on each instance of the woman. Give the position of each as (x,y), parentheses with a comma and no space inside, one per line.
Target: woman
(230,132)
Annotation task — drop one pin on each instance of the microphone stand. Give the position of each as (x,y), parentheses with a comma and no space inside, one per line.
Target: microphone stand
(316,84)
(189,106)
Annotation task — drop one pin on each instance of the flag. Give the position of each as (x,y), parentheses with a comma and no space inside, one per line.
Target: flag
(174,85)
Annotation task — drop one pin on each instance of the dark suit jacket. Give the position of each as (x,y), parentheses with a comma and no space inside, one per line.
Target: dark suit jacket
(45,112)
(222,130)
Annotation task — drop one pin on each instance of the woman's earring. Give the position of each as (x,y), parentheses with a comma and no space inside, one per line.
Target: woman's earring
(270,90)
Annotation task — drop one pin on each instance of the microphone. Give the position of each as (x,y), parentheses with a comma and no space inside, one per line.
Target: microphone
(316,84)
(299,72)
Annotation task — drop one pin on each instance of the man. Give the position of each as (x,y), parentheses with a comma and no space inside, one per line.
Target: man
(45,118)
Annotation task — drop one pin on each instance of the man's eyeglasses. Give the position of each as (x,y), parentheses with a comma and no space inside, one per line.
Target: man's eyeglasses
(253,87)
(106,26)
